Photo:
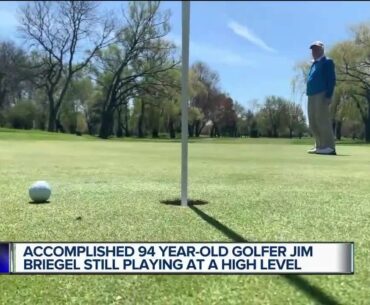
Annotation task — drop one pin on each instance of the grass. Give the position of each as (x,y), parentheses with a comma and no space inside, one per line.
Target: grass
(37,135)
(111,191)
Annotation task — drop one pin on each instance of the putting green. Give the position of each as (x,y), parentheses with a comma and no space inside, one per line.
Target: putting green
(111,191)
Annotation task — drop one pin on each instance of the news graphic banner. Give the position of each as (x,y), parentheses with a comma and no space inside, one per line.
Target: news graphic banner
(177,258)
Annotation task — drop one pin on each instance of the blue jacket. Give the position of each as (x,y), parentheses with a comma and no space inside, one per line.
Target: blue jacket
(321,77)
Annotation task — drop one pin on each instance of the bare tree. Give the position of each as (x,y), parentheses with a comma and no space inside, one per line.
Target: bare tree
(56,32)
(134,65)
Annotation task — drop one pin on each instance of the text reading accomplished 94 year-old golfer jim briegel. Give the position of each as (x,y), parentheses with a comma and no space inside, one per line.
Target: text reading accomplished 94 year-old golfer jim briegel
(178,258)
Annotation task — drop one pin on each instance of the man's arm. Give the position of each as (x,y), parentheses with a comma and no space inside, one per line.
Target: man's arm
(330,78)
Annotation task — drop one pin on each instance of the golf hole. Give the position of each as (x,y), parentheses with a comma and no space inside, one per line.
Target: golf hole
(177,202)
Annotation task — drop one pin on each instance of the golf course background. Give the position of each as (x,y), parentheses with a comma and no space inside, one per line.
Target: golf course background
(260,189)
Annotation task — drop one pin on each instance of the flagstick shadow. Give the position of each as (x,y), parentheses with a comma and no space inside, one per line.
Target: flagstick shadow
(295,280)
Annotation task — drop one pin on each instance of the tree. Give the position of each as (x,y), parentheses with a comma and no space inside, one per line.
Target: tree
(224,118)
(56,31)
(338,109)
(296,121)
(273,116)
(14,76)
(137,60)
(195,118)
(171,112)
(252,118)
(299,81)
(84,101)
(241,119)
(171,102)
(149,101)
(204,90)
(353,70)
(154,119)
(22,115)
(122,123)
(153,95)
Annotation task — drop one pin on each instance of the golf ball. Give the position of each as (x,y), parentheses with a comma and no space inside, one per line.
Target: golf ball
(40,191)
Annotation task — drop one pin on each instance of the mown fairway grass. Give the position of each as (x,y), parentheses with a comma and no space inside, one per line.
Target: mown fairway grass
(111,191)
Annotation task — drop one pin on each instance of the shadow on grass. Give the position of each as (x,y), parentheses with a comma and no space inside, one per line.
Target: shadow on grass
(39,203)
(295,280)
(332,156)
(177,202)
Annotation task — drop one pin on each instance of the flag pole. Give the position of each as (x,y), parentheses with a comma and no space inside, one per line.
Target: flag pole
(184,101)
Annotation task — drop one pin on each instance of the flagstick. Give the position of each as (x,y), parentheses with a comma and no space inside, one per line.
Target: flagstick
(184,101)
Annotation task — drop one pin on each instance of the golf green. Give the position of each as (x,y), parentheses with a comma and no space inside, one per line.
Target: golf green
(263,190)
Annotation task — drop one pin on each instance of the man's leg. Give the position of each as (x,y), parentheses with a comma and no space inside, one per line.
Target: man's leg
(324,123)
(312,118)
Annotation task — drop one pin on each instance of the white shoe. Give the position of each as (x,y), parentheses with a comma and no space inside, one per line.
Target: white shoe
(312,150)
(325,151)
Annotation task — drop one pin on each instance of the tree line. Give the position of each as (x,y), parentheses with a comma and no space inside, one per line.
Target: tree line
(81,70)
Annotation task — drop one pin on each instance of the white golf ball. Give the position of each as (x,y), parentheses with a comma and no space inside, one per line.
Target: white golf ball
(40,191)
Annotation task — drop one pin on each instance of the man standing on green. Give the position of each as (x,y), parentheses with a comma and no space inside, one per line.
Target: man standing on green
(320,89)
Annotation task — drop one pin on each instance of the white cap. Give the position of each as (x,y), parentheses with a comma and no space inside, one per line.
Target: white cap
(317,43)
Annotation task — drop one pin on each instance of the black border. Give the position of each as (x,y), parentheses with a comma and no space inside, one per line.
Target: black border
(183,273)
